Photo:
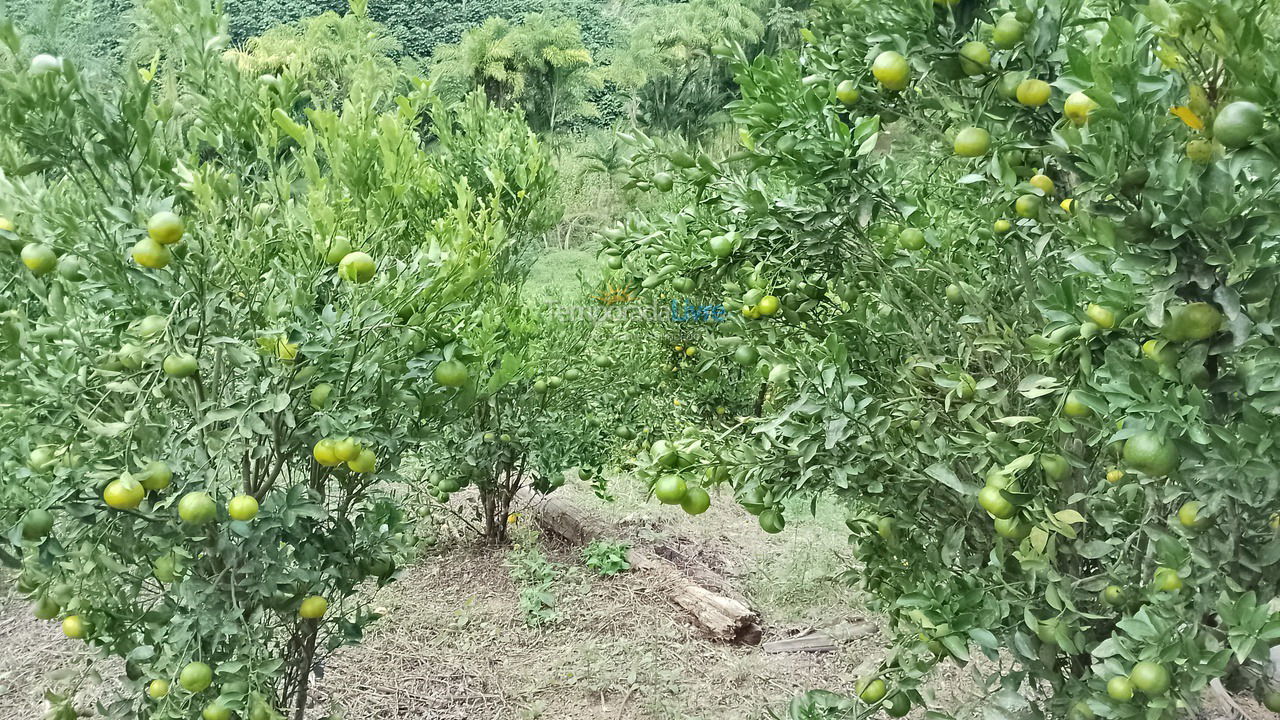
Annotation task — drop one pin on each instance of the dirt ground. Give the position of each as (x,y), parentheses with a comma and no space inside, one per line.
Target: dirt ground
(454,644)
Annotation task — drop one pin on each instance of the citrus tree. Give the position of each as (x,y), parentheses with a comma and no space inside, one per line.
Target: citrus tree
(512,422)
(226,304)
(1016,315)
(547,393)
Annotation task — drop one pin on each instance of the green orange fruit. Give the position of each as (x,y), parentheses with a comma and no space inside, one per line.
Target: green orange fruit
(324,454)
(1193,322)
(695,501)
(1189,516)
(1042,182)
(356,267)
(451,373)
(1120,689)
(195,677)
(1200,151)
(975,58)
(1238,124)
(1167,580)
(1074,406)
(911,239)
(1008,31)
(847,92)
(1149,677)
(772,521)
(670,489)
(1034,92)
(892,70)
(124,494)
(180,365)
(150,254)
(197,508)
(871,691)
(73,627)
(1101,316)
(215,711)
(313,607)
(364,462)
(972,142)
(1151,453)
(165,227)
(995,503)
(39,258)
(333,249)
(243,508)
(1079,107)
(36,524)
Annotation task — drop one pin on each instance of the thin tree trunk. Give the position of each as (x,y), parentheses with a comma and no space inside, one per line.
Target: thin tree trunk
(304,668)
(764,390)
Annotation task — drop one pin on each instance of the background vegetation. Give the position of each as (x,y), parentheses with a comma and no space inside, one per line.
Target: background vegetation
(995,281)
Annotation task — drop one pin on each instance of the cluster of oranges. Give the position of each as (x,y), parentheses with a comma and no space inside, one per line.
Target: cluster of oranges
(332,452)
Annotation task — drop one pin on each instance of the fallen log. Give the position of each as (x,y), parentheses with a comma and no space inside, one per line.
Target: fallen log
(718,615)
(810,641)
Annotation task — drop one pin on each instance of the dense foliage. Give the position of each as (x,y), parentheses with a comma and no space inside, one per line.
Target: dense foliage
(424,26)
(668,65)
(997,276)
(327,55)
(1018,316)
(233,303)
(538,64)
(89,32)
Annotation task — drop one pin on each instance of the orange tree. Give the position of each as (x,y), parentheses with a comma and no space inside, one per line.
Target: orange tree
(1016,314)
(544,394)
(225,306)
(516,418)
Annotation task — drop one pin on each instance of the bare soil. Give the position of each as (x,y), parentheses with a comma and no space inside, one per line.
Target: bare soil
(454,643)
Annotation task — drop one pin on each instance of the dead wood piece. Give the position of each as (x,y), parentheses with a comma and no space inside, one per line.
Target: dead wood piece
(847,630)
(809,641)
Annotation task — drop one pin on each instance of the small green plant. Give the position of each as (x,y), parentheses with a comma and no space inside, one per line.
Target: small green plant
(535,573)
(538,604)
(606,557)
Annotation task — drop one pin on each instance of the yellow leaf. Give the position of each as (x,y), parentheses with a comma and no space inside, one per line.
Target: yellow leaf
(1185,114)
(1170,58)
(1069,516)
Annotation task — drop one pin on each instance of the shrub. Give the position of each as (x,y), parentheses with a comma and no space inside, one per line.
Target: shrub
(216,346)
(1051,432)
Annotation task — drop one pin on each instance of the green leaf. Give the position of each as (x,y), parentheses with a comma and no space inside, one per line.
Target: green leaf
(944,475)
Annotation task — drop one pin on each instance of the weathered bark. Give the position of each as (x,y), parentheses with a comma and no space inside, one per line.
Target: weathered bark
(306,661)
(811,641)
(719,616)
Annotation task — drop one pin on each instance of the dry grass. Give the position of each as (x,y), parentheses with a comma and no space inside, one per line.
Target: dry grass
(454,644)
(35,656)
(454,640)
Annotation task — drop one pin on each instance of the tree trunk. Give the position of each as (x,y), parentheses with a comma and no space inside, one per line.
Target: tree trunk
(305,661)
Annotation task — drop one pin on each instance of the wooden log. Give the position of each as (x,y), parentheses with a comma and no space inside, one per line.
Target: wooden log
(810,641)
(718,615)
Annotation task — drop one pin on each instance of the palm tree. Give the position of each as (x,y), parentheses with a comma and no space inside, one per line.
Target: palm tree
(539,64)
